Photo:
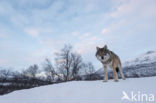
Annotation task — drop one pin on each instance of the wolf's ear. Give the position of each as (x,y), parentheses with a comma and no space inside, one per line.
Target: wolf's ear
(97,48)
(105,47)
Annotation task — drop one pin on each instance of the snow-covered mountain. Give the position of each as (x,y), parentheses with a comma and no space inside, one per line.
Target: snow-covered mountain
(85,92)
(141,66)
(148,57)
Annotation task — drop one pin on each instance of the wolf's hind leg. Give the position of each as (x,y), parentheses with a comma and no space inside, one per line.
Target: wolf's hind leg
(122,75)
(115,74)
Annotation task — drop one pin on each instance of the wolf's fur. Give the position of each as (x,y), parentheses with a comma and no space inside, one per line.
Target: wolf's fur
(108,58)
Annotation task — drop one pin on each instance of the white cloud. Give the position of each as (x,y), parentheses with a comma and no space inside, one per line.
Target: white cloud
(38,32)
(132,24)
(3,36)
(87,44)
(3,62)
(133,8)
(84,36)
(131,15)
(75,33)
(4,32)
(105,30)
(53,25)
(32,32)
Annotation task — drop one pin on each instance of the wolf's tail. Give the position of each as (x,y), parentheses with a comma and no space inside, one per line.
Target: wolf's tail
(117,69)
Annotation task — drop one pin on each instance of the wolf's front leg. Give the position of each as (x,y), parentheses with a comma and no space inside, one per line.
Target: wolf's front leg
(106,76)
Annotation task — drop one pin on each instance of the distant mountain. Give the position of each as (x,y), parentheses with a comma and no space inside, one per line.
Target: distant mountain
(148,57)
(141,66)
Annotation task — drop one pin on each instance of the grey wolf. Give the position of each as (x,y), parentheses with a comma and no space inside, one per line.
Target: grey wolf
(109,59)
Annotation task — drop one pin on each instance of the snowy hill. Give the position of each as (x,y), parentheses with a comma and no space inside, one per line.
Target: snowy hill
(83,92)
(142,66)
(148,57)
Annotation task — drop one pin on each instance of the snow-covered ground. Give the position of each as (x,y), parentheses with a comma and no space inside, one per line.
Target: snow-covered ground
(84,92)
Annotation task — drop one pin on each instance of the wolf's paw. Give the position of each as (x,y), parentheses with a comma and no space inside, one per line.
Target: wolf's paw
(105,80)
(116,80)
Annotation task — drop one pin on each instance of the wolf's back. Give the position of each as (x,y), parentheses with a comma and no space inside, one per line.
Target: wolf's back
(115,59)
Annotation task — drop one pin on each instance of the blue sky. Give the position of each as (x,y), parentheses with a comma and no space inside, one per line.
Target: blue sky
(31,30)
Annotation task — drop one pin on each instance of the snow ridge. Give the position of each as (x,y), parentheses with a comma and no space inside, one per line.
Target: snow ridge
(148,57)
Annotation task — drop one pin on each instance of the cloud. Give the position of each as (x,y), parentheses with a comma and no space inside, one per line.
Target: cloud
(75,33)
(133,8)
(87,44)
(132,24)
(105,30)
(84,36)
(39,32)
(3,62)
(32,32)
(33,4)
(130,14)
(3,35)
(81,23)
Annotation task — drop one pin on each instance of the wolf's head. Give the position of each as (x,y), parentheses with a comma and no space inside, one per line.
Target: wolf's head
(102,54)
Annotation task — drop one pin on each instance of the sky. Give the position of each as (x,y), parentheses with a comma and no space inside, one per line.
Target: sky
(32,30)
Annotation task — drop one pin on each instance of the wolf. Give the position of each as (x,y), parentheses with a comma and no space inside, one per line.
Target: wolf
(109,59)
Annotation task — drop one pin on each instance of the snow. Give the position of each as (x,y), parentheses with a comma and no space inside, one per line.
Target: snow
(147,57)
(4,84)
(83,92)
